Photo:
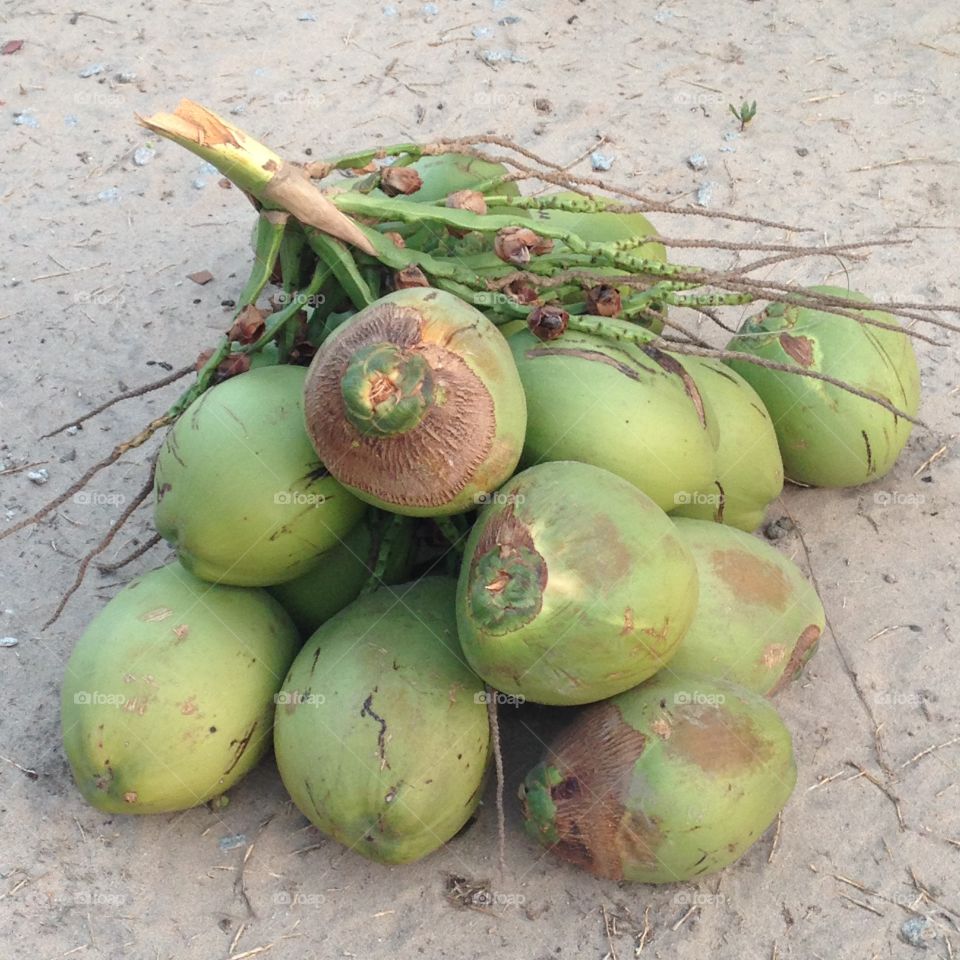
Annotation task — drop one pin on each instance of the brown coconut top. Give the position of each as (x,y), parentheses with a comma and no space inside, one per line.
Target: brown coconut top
(395,412)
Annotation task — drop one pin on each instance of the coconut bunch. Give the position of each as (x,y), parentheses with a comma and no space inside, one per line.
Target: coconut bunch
(469,453)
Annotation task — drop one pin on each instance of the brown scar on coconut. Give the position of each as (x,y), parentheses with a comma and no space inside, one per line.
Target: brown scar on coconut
(594,828)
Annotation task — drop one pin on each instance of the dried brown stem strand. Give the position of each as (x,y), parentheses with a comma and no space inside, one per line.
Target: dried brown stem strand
(126,395)
(799,371)
(130,557)
(112,458)
(494,721)
(145,491)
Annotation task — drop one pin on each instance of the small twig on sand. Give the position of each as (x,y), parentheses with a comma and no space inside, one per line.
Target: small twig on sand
(684,918)
(825,781)
(924,891)
(494,722)
(28,772)
(130,557)
(612,950)
(145,491)
(934,457)
(23,466)
(126,395)
(862,904)
(845,660)
(929,750)
(776,838)
(644,933)
(113,457)
(883,788)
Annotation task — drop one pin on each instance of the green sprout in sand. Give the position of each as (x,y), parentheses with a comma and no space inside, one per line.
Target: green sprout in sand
(745,114)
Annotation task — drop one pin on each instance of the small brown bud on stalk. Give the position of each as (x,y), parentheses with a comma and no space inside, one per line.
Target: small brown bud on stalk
(471,200)
(411,276)
(233,365)
(603,301)
(398,240)
(517,245)
(522,291)
(548,322)
(248,326)
(397,180)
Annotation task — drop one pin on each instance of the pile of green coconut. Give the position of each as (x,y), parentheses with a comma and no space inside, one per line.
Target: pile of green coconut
(451,463)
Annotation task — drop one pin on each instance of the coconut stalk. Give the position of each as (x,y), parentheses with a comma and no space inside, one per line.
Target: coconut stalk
(270,181)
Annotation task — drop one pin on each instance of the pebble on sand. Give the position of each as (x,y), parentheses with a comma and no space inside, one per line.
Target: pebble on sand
(704,194)
(143,155)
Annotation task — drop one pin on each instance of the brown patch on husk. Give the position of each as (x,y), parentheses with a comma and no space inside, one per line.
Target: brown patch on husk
(662,728)
(430,464)
(772,655)
(504,530)
(592,356)
(801,651)
(716,741)
(596,757)
(506,533)
(799,349)
(871,466)
(750,579)
(675,367)
(611,558)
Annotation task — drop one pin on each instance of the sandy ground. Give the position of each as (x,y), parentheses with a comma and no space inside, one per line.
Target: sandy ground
(856,135)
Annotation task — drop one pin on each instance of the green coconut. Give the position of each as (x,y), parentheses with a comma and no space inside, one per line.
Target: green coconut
(268,356)
(239,491)
(382,737)
(341,573)
(671,781)
(749,471)
(829,437)
(758,620)
(574,586)
(415,404)
(168,697)
(631,410)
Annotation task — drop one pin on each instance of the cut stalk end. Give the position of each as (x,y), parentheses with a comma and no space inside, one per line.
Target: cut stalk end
(254,168)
